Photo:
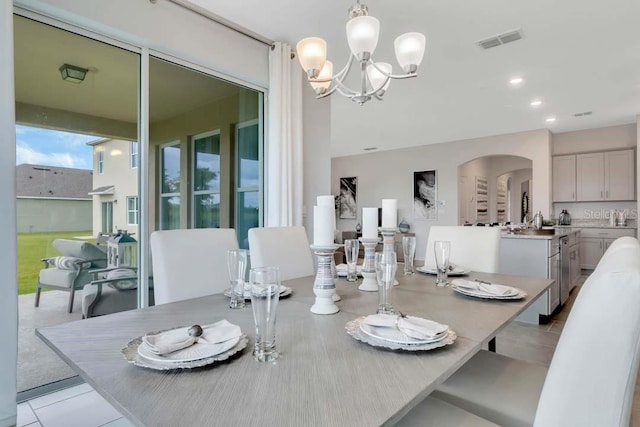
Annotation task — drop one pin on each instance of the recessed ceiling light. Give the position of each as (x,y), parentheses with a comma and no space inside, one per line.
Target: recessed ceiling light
(516,81)
(550,119)
(536,103)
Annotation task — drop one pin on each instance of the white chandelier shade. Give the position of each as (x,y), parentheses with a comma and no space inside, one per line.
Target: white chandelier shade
(312,53)
(409,49)
(377,74)
(362,37)
(322,83)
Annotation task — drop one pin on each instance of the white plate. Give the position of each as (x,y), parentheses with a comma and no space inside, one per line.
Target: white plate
(194,352)
(457,271)
(395,335)
(130,353)
(353,329)
(285,291)
(479,294)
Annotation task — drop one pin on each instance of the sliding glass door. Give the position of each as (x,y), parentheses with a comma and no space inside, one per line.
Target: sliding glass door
(77,119)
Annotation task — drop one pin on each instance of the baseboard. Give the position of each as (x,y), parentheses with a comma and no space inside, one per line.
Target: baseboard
(9,421)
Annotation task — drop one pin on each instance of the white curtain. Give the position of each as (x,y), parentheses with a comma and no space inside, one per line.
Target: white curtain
(283,164)
(8,257)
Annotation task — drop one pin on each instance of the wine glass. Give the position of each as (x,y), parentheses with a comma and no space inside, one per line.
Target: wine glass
(442,251)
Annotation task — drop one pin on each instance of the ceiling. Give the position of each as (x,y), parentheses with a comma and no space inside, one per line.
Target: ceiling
(576,56)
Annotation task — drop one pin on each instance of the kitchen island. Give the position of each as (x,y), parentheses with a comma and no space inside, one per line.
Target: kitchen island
(551,256)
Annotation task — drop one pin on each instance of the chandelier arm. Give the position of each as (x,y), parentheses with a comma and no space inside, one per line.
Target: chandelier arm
(341,90)
(345,70)
(393,76)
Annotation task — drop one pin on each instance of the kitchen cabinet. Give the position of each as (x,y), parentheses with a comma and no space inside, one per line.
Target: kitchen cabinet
(597,176)
(564,178)
(605,176)
(574,259)
(595,241)
(538,257)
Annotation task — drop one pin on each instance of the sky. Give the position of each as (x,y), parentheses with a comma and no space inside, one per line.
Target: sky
(53,148)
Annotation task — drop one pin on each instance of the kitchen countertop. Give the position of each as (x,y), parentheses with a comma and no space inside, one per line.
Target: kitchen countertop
(560,232)
(592,225)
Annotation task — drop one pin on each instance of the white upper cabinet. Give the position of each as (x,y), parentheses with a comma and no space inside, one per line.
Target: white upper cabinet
(564,178)
(590,176)
(619,175)
(594,176)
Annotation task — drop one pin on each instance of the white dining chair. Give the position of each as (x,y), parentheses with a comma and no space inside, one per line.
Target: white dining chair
(472,248)
(284,247)
(190,263)
(593,372)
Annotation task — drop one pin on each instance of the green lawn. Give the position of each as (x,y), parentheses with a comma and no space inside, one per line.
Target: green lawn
(32,247)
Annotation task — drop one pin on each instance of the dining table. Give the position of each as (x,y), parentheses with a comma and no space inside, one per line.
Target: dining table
(323,375)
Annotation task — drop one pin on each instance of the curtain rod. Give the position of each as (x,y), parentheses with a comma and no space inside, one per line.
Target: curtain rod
(220,20)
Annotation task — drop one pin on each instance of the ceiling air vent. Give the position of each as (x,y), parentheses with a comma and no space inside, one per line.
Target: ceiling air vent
(500,39)
(585,113)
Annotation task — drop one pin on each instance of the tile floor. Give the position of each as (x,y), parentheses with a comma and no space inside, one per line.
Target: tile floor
(78,406)
(81,406)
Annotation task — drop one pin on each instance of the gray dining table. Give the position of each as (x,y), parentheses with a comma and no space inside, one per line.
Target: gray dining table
(323,377)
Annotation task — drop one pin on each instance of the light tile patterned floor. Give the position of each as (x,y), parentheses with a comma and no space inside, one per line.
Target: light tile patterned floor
(81,406)
(78,406)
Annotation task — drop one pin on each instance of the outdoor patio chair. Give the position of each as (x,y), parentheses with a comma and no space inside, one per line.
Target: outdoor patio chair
(70,271)
(112,290)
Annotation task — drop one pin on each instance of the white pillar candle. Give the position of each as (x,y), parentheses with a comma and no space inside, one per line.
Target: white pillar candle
(329,201)
(322,226)
(369,223)
(389,213)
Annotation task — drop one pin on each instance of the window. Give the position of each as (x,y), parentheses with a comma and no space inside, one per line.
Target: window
(206,180)
(100,162)
(132,210)
(107,217)
(170,187)
(134,154)
(247,158)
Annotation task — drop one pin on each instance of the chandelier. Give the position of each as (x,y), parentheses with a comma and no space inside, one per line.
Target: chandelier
(362,36)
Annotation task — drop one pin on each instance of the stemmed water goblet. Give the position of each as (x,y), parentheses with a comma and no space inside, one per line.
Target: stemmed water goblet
(442,251)
(386,265)
(237,264)
(351,249)
(409,250)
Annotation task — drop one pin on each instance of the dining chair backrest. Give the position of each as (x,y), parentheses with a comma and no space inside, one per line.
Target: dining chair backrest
(190,263)
(593,372)
(284,247)
(472,248)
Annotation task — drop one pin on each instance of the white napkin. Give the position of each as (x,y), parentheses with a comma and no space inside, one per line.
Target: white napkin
(489,289)
(414,327)
(177,339)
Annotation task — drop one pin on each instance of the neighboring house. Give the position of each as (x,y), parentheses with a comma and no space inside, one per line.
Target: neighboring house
(115,186)
(50,198)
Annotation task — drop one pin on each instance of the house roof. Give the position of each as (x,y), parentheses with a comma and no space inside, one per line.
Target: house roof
(53,182)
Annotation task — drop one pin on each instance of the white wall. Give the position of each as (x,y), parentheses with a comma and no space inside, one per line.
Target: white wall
(316,134)
(607,138)
(389,174)
(8,253)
